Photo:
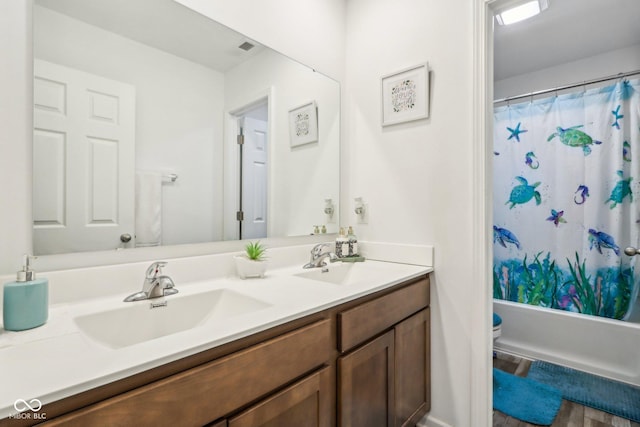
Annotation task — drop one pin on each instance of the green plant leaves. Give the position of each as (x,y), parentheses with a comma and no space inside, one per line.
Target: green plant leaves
(255,251)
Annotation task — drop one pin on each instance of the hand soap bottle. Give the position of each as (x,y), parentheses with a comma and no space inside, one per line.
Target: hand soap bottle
(26,301)
(342,245)
(353,242)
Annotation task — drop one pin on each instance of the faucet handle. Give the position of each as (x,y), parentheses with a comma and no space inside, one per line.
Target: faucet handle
(155,269)
(317,249)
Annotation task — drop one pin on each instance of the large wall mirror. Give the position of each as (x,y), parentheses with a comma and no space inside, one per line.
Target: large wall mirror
(137,110)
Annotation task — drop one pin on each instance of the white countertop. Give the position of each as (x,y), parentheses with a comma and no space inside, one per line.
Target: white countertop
(57,360)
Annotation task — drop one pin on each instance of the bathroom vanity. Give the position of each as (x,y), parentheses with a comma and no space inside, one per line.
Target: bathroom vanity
(352,355)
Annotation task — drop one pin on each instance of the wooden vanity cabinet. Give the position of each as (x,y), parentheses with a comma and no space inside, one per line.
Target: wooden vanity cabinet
(215,389)
(364,363)
(386,380)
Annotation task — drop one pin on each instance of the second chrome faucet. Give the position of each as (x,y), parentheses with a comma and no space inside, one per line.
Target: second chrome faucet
(319,253)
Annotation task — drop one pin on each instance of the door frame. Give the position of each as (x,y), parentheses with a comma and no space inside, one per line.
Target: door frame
(482,213)
(231,192)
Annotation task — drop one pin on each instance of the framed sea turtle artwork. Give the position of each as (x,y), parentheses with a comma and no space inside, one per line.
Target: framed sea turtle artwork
(405,95)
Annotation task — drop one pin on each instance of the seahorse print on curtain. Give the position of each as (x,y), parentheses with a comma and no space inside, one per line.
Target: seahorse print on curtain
(566,190)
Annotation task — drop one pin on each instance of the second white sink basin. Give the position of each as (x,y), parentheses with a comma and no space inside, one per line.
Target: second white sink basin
(137,322)
(355,273)
(343,273)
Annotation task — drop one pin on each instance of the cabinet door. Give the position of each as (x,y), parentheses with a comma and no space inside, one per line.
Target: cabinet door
(412,368)
(366,385)
(306,403)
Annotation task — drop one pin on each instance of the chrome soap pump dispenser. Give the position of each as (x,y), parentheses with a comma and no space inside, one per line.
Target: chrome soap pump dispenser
(25,301)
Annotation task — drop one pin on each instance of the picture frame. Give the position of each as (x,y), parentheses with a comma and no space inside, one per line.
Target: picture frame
(303,124)
(405,95)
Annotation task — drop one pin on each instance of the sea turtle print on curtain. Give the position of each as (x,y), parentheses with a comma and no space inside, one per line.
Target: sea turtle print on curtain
(566,186)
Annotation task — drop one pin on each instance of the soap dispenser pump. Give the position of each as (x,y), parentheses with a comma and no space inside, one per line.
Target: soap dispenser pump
(25,301)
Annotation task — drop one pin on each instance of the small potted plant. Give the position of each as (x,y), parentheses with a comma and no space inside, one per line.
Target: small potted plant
(252,263)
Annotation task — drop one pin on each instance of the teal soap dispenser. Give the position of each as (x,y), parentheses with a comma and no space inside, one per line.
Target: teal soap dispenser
(25,301)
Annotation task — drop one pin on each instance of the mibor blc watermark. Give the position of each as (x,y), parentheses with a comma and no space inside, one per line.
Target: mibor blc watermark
(28,410)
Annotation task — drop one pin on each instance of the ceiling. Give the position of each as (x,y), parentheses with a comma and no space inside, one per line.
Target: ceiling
(163,24)
(567,31)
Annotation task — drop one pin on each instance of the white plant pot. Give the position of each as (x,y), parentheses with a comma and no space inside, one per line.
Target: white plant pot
(248,268)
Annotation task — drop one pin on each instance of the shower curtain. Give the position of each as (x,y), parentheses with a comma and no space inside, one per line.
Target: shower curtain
(566,191)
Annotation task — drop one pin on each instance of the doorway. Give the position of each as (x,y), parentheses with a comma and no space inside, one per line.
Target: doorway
(249,129)
(525,82)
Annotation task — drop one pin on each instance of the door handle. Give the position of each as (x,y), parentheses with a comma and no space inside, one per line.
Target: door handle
(631,251)
(126,237)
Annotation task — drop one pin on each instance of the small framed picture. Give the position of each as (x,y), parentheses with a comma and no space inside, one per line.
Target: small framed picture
(405,95)
(303,124)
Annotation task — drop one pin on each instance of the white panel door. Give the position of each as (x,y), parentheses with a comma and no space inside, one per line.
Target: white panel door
(254,179)
(83,160)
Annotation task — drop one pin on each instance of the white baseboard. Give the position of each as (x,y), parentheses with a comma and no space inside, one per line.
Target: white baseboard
(429,421)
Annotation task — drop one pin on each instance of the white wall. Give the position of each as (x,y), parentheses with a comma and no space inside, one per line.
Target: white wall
(15,133)
(593,67)
(179,107)
(297,191)
(416,177)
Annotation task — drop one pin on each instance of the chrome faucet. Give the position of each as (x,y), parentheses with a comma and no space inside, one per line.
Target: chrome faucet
(319,253)
(155,284)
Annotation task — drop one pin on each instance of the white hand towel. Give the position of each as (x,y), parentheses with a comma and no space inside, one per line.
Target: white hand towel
(148,208)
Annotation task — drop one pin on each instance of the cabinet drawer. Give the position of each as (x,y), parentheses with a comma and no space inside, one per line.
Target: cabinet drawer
(210,391)
(369,319)
(305,403)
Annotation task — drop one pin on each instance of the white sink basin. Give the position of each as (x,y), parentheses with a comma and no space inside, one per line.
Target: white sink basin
(343,273)
(356,273)
(136,322)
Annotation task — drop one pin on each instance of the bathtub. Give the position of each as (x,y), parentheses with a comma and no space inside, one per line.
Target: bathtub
(605,347)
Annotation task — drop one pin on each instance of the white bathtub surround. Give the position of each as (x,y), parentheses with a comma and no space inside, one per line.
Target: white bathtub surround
(601,346)
(65,361)
(430,421)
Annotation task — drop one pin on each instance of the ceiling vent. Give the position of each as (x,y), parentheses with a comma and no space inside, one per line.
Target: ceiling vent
(246,46)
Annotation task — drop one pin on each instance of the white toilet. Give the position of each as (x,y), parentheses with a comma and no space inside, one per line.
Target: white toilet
(497,326)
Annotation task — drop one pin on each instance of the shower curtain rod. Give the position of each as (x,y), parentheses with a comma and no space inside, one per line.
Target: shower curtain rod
(555,89)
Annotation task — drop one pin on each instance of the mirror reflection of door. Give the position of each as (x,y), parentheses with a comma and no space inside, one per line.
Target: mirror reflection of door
(83,160)
(253,173)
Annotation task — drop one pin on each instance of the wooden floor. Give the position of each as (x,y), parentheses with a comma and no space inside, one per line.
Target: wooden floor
(570,414)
